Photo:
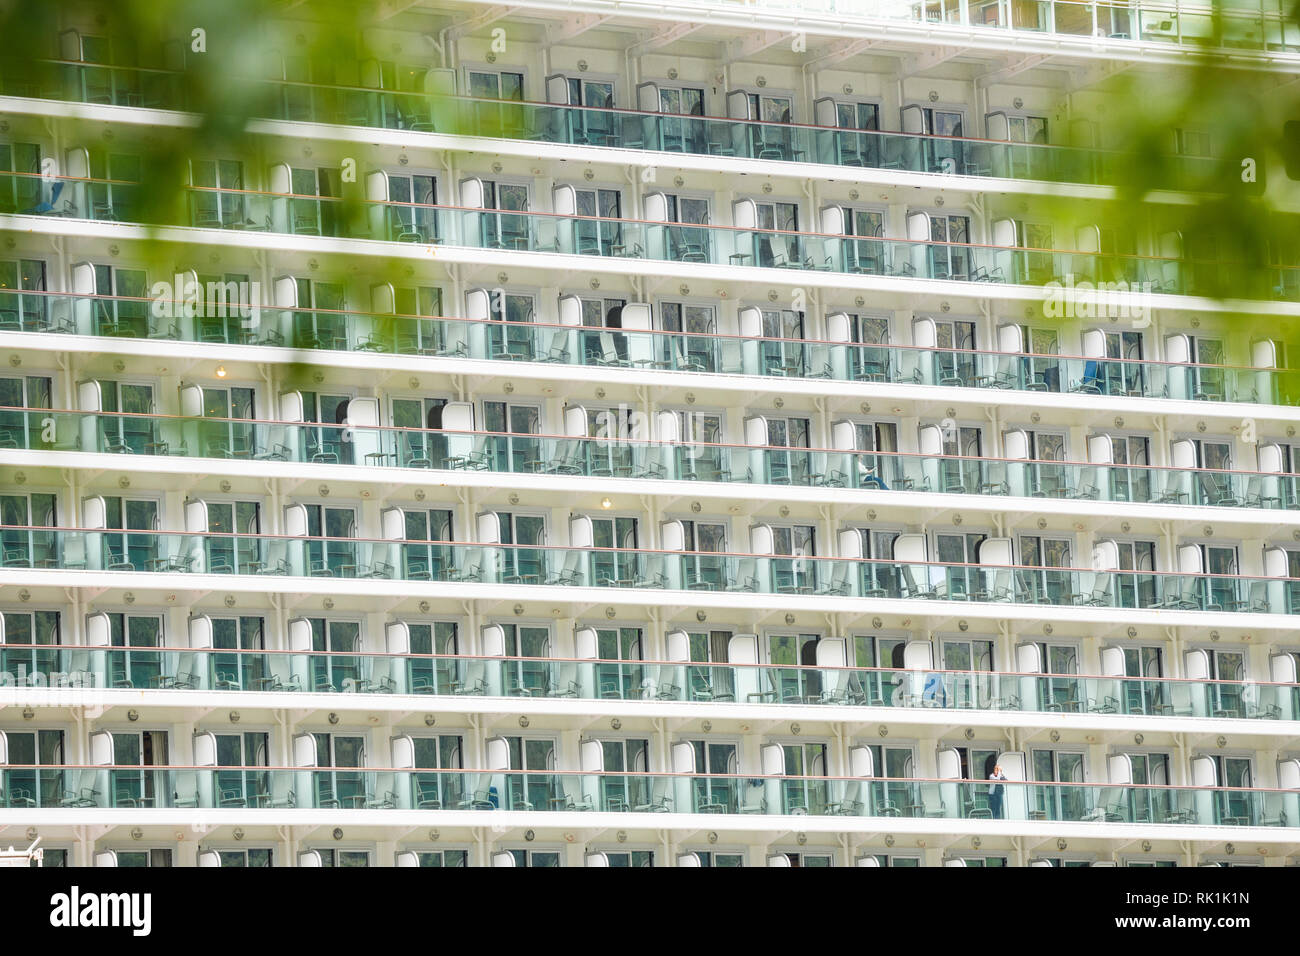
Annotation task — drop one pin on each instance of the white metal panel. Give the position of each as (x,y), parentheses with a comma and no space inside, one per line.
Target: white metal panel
(1010,338)
(1094,343)
(930,440)
(591,754)
(672,536)
(4,749)
(564,200)
(440,82)
(292,407)
(825,112)
(1013,765)
(478,304)
(654,206)
(1112,661)
(557,89)
(570,308)
(392,524)
(738,105)
(209,858)
(191,401)
(832,652)
(1182,453)
(284,291)
(1119,769)
(637,317)
(844,436)
(683,756)
(866,861)
(688,859)
(678,646)
(1029,658)
(743,649)
(910,549)
(1088,239)
(581,534)
(1105,555)
(954,861)
(363,412)
(778,859)
(1203,772)
(1101,450)
(772,760)
(947,764)
(838,327)
(647,97)
(925,334)
(300,634)
(101,749)
(498,753)
(996,552)
(403,752)
(90,396)
(406,858)
(488,524)
(1190,559)
(918,226)
(1270,458)
(585,645)
(861,762)
(1004,233)
(913,119)
(996,126)
(397,638)
(310,858)
(106,858)
(1178,348)
(744,214)
(668,427)
(1263,354)
(761,540)
(493,639)
(458,417)
(751,321)
(304,751)
(295,520)
(832,221)
(383,298)
(280,179)
(98,633)
(1196,664)
(205,749)
(472,193)
(596,859)
(850,543)
(918,655)
(1288,774)
(575,421)
(1282,669)
(196,516)
(1015,444)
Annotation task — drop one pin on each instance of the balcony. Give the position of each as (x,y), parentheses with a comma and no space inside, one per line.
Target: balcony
(1127,277)
(627,129)
(236,788)
(642,349)
(576,456)
(471,565)
(667,681)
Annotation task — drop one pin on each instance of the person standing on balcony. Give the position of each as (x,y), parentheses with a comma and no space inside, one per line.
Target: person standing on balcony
(995,792)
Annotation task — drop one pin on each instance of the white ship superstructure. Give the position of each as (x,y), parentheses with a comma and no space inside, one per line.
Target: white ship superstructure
(630,434)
